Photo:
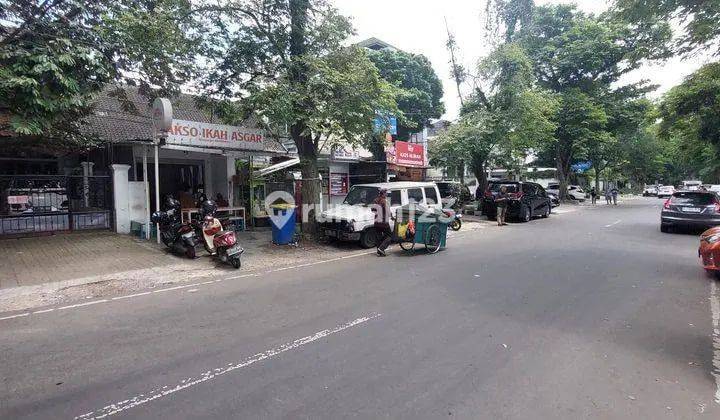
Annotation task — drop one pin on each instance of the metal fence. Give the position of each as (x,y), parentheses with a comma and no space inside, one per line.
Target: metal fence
(49,203)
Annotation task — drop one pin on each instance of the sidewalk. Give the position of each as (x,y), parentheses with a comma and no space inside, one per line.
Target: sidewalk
(53,269)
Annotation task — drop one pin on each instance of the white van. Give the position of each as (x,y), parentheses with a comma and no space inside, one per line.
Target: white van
(354,220)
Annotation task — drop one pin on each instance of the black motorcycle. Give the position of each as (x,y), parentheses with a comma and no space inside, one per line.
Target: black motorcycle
(178,236)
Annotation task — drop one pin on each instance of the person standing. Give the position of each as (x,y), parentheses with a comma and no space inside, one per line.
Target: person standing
(593,195)
(614,193)
(501,202)
(382,222)
(608,196)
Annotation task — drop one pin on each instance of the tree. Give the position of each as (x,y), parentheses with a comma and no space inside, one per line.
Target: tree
(690,115)
(582,59)
(503,123)
(55,55)
(286,61)
(700,20)
(420,90)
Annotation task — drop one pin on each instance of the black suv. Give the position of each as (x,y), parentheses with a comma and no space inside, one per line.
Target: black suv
(527,200)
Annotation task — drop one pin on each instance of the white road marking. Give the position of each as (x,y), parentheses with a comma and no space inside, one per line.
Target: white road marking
(44,311)
(164,391)
(613,224)
(80,305)
(131,296)
(715,309)
(15,316)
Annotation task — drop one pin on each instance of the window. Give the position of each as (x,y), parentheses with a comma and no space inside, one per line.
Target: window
(415,196)
(541,191)
(697,199)
(431,195)
(528,189)
(511,188)
(361,195)
(395,198)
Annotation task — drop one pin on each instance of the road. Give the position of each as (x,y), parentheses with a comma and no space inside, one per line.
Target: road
(589,314)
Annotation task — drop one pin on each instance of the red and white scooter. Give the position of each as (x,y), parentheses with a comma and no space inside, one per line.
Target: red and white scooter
(222,243)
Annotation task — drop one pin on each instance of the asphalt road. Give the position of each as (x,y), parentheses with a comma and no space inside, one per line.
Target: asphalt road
(588,314)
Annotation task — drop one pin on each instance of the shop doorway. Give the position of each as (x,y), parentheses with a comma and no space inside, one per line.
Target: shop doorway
(184,181)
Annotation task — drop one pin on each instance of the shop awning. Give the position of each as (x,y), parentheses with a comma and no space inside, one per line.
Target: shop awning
(276,167)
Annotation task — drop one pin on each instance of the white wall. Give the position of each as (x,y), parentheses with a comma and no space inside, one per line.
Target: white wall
(136,200)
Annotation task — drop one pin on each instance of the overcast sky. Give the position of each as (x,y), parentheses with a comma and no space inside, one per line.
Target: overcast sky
(417,26)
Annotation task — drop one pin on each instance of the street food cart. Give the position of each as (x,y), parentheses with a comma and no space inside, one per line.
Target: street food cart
(417,224)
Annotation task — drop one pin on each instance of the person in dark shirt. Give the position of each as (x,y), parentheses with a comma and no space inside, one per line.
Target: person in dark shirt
(382,222)
(501,201)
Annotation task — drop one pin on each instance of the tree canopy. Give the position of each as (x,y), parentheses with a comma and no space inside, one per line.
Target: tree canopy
(420,89)
(54,56)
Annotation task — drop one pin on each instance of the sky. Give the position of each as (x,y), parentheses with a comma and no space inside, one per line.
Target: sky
(418,26)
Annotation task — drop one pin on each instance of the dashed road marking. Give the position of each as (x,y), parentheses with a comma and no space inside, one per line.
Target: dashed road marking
(209,375)
(613,224)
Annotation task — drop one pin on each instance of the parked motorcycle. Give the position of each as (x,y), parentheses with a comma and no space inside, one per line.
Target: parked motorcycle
(456,222)
(219,242)
(176,235)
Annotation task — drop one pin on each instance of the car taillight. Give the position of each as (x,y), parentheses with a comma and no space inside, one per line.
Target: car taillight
(519,195)
(667,204)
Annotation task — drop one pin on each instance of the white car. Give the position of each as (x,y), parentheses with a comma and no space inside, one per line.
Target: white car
(650,190)
(353,220)
(574,192)
(665,191)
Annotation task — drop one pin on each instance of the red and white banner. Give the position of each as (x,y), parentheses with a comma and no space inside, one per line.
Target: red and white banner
(198,134)
(409,154)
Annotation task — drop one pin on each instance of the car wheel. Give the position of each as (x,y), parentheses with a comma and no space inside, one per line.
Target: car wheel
(664,228)
(547,212)
(525,214)
(368,239)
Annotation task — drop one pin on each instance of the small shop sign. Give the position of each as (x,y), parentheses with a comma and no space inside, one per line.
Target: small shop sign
(406,154)
(342,153)
(199,134)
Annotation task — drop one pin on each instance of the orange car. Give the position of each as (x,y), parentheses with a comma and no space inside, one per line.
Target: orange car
(709,250)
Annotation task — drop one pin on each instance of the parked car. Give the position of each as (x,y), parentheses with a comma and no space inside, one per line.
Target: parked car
(650,190)
(353,220)
(690,209)
(528,200)
(574,192)
(709,250)
(453,195)
(691,185)
(665,191)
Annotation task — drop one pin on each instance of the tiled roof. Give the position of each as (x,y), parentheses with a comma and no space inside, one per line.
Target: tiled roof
(112,122)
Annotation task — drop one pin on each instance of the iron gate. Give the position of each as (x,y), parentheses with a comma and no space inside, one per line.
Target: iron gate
(50,203)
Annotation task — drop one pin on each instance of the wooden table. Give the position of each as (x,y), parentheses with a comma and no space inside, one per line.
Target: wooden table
(238,213)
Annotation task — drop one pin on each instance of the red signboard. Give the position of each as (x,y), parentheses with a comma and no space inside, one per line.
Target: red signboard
(409,154)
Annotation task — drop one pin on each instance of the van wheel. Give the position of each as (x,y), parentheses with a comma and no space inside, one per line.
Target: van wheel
(547,212)
(525,214)
(368,239)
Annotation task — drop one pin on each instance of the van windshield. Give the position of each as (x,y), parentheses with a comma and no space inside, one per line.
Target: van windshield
(361,195)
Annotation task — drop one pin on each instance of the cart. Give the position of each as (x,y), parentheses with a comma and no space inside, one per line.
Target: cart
(414,225)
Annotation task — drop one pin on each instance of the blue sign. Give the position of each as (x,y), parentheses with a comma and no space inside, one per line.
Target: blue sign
(386,124)
(581,167)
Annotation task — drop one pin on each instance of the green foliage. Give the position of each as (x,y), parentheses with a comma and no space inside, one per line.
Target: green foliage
(504,125)
(700,20)
(329,91)
(690,115)
(54,56)
(420,89)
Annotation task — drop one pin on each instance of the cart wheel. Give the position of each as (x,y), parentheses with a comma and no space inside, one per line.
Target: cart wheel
(407,245)
(432,239)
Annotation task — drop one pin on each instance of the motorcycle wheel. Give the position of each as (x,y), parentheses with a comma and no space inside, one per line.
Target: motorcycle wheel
(235,261)
(190,252)
(456,225)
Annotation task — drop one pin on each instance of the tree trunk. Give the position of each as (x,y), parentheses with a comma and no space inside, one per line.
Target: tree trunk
(299,131)
(563,171)
(478,168)
(598,171)
(461,169)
